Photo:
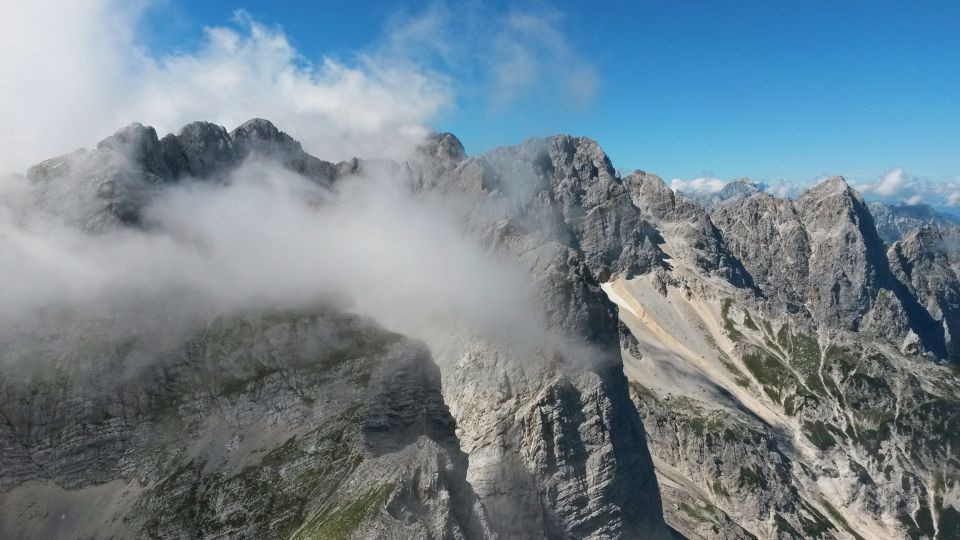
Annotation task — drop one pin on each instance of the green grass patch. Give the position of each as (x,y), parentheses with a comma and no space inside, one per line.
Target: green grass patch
(803,354)
(797,402)
(819,435)
(718,489)
(644,393)
(767,328)
(738,376)
(784,527)
(341,522)
(863,476)
(769,372)
(949,522)
(814,523)
(748,322)
(842,359)
(752,477)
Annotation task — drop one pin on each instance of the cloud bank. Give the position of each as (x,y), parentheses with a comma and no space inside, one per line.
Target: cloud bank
(895,186)
(268,239)
(899,186)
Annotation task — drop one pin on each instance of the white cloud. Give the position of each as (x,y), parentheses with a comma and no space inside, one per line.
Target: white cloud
(81,74)
(266,239)
(698,185)
(890,184)
(915,199)
(783,189)
(898,186)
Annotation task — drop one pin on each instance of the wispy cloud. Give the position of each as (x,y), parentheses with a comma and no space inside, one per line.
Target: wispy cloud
(509,56)
(530,52)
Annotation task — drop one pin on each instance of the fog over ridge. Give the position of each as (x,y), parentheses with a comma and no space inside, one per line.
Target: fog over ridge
(265,238)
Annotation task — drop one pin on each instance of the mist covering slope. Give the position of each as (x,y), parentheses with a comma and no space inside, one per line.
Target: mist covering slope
(601,357)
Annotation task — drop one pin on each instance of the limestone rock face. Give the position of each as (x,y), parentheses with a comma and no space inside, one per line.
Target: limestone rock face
(845,253)
(541,439)
(821,255)
(739,189)
(693,235)
(142,148)
(200,150)
(262,139)
(927,262)
(285,424)
(556,448)
(768,236)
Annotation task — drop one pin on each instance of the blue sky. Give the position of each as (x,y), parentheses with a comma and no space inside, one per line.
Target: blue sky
(768,90)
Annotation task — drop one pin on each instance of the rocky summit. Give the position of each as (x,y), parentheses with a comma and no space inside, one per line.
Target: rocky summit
(744,367)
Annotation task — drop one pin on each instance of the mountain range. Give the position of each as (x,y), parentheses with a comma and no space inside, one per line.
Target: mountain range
(746,366)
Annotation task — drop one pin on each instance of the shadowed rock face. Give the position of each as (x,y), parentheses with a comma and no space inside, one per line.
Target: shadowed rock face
(257,425)
(926,261)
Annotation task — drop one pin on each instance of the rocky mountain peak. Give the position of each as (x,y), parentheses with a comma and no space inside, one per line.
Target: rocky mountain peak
(141,146)
(200,149)
(650,194)
(449,148)
(742,187)
(579,159)
(258,128)
(831,188)
(834,183)
(259,135)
